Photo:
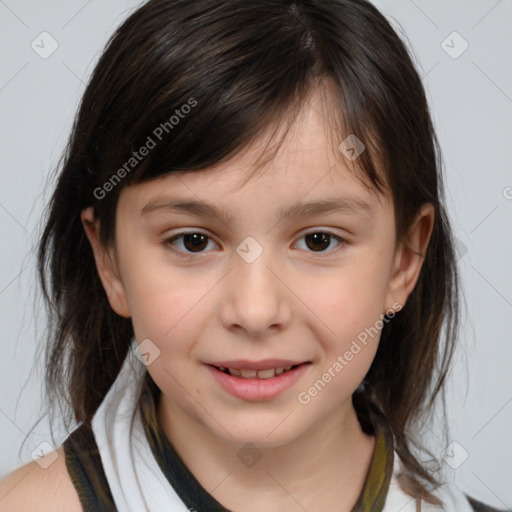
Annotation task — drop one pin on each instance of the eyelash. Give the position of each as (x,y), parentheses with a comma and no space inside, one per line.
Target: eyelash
(190,255)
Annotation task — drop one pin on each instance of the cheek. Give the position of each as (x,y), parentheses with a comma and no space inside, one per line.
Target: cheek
(347,311)
(348,300)
(163,310)
(161,297)
(349,332)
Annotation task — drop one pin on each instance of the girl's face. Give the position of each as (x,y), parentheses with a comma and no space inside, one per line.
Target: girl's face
(264,277)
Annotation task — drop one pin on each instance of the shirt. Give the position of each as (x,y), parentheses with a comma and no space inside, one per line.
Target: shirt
(85,468)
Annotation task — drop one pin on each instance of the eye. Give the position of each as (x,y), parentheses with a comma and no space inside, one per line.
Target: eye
(318,241)
(193,241)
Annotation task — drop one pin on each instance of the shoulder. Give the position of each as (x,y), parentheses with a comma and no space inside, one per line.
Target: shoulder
(34,487)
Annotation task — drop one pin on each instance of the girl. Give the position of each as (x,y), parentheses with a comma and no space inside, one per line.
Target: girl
(248,269)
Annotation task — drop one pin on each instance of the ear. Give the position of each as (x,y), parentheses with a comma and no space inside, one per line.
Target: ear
(106,264)
(409,258)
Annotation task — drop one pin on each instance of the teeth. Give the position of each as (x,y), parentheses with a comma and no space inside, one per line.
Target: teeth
(260,374)
(248,373)
(266,374)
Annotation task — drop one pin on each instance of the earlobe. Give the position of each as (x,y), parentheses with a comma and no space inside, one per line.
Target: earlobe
(409,257)
(105,264)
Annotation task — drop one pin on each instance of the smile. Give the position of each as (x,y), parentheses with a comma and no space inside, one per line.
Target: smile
(260,374)
(252,384)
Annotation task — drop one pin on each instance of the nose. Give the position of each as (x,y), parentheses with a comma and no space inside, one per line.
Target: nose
(255,297)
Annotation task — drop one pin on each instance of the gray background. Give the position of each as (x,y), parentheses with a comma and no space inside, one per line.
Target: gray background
(471,99)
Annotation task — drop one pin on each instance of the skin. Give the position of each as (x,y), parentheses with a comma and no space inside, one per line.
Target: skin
(34,487)
(291,302)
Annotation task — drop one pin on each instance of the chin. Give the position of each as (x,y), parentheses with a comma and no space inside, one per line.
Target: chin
(261,434)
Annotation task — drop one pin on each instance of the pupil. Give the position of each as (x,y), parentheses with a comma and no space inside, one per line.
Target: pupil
(196,240)
(322,238)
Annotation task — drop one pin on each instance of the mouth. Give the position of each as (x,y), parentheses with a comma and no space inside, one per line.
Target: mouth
(260,382)
(246,373)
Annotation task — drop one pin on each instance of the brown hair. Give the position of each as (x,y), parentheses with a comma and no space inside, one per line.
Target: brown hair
(242,67)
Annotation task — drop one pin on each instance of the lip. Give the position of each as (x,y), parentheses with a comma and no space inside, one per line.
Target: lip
(264,364)
(255,389)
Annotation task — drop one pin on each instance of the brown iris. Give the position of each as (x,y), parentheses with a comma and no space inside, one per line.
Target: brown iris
(195,242)
(322,239)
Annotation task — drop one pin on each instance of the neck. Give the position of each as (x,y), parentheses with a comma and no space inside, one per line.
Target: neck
(328,462)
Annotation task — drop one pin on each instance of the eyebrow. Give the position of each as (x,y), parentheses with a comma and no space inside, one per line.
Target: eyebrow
(300,209)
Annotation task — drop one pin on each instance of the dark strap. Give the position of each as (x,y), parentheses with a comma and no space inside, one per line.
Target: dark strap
(86,471)
(478,506)
(376,486)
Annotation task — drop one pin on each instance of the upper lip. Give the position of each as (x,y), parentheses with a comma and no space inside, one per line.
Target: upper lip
(264,364)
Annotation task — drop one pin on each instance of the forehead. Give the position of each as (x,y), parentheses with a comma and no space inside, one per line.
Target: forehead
(307,166)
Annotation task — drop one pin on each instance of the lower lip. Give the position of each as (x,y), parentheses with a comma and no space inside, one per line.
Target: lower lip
(255,389)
